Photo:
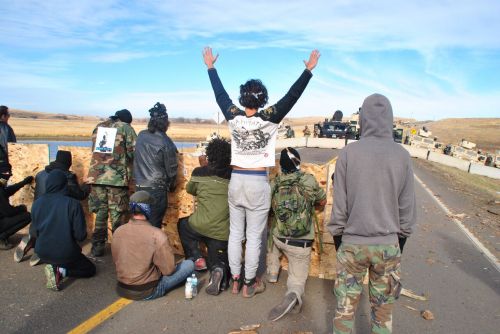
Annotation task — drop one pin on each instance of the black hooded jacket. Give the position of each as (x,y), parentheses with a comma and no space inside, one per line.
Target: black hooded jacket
(58,222)
(6,209)
(73,188)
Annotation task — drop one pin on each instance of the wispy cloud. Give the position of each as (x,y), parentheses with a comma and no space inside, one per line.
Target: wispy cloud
(427,56)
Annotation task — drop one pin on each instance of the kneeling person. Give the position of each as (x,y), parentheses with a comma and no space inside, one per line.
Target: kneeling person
(294,194)
(58,225)
(12,218)
(143,257)
(210,221)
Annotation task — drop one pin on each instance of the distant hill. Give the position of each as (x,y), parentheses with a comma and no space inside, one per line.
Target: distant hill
(16,113)
(485,132)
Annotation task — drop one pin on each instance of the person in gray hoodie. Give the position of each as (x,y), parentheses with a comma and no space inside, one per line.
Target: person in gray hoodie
(374,211)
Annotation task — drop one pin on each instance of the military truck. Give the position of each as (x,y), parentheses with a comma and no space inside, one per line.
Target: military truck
(465,150)
(423,139)
(335,128)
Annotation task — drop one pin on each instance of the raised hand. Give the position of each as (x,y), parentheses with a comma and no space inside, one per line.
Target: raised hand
(208,57)
(313,60)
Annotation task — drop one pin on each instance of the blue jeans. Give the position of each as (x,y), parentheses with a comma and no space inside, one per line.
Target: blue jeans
(182,271)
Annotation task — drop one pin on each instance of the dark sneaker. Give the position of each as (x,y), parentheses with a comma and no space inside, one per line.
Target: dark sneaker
(253,287)
(97,249)
(213,287)
(54,277)
(200,264)
(284,307)
(34,260)
(235,284)
(5,244)
(27,242)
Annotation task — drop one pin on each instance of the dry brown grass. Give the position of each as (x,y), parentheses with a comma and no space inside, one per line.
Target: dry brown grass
(57,128)
(485,132)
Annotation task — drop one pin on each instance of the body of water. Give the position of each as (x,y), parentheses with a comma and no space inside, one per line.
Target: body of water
(54,144)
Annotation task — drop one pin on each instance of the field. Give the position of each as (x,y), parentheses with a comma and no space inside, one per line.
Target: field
(482,131)
(485,132)
(81,129)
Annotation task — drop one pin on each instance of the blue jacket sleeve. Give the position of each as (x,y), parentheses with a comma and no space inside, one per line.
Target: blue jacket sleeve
(221,96)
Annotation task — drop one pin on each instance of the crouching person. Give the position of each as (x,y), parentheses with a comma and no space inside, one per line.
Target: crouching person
(144,260)
(294,194)
(58,225)
(210,221)
(12,218)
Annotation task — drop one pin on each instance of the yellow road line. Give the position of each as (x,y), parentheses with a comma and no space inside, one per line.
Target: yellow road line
(100,317)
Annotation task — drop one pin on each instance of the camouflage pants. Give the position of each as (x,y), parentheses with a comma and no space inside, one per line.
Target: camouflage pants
(104,200)
(384,270)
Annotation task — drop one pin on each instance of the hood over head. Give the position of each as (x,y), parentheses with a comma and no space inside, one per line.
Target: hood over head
(56,182)
(375,117)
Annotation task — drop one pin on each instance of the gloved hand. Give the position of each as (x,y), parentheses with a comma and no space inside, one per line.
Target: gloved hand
(28,179)
(337,240)
(402,241)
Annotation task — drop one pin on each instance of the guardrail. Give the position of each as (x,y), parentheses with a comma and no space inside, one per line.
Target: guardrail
(415,152)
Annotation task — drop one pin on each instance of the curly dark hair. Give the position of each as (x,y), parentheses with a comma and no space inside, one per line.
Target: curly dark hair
(253,94)
(158,124)
(219,153)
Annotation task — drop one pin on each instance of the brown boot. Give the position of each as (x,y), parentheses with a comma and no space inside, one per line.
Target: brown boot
(252,287)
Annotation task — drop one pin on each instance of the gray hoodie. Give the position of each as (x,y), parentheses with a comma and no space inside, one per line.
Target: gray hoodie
(374,196)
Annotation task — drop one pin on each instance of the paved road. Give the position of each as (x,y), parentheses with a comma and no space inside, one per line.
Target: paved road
(463,292)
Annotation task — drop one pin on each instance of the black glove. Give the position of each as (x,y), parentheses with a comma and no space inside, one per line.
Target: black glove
(337,240)
(28,179)
(402,241)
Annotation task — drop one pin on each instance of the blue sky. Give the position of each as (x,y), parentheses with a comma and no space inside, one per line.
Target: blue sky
(432,59)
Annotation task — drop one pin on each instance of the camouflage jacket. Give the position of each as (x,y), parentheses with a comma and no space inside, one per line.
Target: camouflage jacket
(111,163)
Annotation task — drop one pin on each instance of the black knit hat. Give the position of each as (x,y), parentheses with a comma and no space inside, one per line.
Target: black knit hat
(123,115)
(158,111)
(289,160)
(64,158)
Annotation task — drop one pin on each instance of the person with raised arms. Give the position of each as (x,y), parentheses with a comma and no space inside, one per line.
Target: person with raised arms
(253,140)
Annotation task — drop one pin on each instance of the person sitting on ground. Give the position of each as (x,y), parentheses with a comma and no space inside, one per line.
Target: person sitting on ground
(58,226)
(293,228)
(143,257)
(253,135)
(12,218)
(63,163)
(210,221)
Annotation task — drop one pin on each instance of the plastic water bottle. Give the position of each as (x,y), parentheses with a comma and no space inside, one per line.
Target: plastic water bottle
(194,285)
(188,291)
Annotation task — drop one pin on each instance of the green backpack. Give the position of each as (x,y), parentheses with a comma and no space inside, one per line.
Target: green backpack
(292,207)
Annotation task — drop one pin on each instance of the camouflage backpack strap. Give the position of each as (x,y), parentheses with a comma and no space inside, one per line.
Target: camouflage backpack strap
(273,220)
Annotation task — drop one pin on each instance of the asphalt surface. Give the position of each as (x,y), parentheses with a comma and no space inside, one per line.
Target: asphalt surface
(439,261)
